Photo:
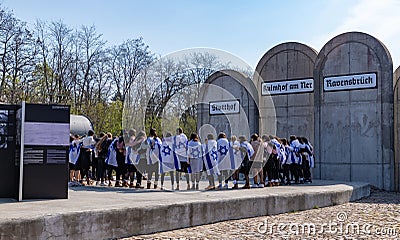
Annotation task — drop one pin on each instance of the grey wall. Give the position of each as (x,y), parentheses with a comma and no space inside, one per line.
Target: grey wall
(229,85)
(354,129)
(396,83)
(294,112)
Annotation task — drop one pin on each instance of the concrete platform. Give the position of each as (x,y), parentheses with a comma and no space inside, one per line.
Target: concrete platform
(104,212)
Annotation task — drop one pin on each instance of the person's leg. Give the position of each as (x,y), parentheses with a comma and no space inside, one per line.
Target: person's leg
(297,173)
(198,176)
(130,178)
(307,172)
(94,167)
(220,179)
(162,180)
(71,172)
(211,183)
(139,178)
(118,172)
(100,169)
(261,177)
(255,178)
(247,184)
(269,175)
(286,176)
(235,179)
(177,177)
(275,177)
(294,172)
(109,173)
(264,170)
(301,167)
(185,166)
(193,178)
(85,174)
(227,176)
(124,174)
(149,176)
(77,175)
(156,174)
(171,175)
(83,164)
(187,180)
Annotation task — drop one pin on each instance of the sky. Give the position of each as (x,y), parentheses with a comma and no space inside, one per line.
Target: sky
(247,29)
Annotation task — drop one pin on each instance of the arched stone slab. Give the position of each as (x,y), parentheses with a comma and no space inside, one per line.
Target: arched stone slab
(228,86)
(354,111)
(285,65)
(396,83)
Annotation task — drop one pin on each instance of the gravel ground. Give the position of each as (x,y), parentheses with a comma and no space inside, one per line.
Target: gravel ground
(375,217)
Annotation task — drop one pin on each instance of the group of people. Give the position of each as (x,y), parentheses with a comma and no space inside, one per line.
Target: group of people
(268,160)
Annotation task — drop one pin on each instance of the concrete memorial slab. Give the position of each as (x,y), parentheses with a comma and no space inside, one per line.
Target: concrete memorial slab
(285,73)
(354,111)
(396,79)
(228,103)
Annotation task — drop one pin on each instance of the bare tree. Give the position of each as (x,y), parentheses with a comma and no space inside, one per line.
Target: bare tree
(127,61)
(61,48)
(92,48)
(8,29)
(22,63)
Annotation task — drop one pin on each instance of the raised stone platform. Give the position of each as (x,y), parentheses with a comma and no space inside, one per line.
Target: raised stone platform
(102,212)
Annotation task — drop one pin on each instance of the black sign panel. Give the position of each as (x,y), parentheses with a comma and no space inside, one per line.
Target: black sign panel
(46,145)
(47,113)
(8,171)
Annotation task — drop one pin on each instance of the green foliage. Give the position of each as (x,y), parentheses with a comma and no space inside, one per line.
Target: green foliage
(106,117)
(189,125)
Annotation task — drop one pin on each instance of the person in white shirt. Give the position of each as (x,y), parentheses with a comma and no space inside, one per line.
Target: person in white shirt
(88,144)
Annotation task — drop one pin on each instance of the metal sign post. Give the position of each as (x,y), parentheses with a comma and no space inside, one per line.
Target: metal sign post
(21,156)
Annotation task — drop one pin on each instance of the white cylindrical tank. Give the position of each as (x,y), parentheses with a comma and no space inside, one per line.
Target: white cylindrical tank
(80,125)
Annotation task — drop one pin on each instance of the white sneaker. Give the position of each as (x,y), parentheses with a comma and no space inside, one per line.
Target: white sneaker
(261,185)
(254,186)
